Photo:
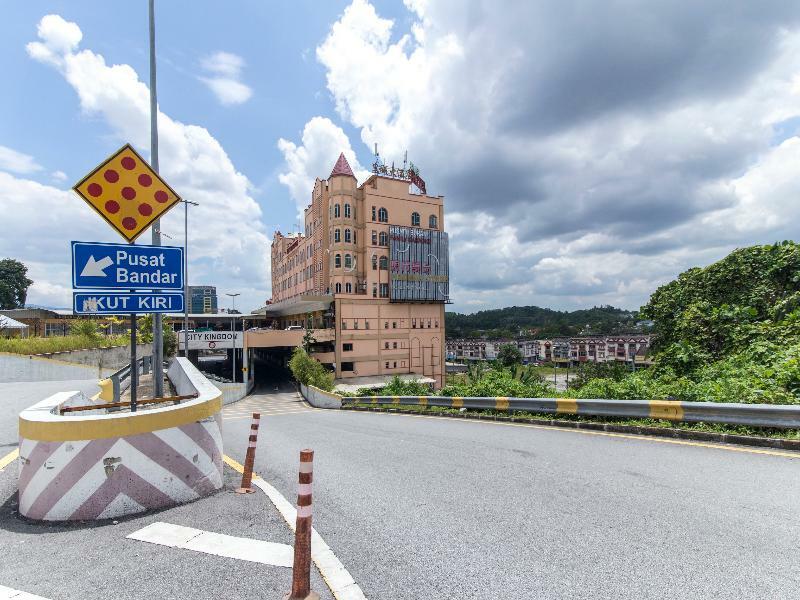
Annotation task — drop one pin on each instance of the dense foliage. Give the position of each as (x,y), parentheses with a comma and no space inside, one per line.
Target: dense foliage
(509,355)
(14,284)
(543,322)
(168,337)
(309,371)
(60,343)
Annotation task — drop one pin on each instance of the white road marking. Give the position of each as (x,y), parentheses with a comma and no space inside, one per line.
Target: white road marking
(6,593)
(336,576)
(218,544)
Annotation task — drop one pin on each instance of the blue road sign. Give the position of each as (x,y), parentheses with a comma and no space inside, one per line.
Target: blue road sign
(122,303)
(96,265)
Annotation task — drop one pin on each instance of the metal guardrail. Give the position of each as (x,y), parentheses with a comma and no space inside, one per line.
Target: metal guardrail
(115,384)
(783,416)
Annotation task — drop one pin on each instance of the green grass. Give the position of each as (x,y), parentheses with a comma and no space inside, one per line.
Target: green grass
(789,434)
(43,345)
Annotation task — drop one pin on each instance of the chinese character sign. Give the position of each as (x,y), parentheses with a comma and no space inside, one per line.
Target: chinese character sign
(418,265)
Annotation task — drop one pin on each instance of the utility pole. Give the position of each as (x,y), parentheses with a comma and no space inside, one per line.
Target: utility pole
(158,343)
(233,331)
(186,298)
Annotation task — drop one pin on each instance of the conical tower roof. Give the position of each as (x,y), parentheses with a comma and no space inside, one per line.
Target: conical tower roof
(342,167)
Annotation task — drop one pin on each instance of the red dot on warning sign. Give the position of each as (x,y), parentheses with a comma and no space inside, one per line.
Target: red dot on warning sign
(129,223)
(95,189)
(128,193)
(128,163)
(161,196)
(145,180)
(111,176)
(145,210)
(112,206)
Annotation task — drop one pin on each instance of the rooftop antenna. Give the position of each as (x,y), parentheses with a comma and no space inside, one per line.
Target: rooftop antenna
(405,161)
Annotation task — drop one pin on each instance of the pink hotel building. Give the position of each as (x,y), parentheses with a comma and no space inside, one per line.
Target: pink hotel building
(371,270)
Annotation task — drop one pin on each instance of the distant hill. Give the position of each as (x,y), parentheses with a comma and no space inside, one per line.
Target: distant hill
(534,321)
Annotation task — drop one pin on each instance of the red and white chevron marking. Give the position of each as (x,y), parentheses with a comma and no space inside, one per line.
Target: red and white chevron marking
(111,477)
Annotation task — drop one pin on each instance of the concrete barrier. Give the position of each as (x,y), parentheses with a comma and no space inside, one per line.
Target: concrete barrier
(102,465)
(320,398)
(785,416)
(232,392)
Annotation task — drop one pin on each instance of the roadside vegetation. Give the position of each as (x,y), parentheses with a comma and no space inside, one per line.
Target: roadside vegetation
(83,334)
(309,371)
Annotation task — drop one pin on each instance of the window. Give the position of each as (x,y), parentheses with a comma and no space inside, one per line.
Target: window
(337,261)
(386,324)
(384,239)
(413,323)
(387,364)
(374,238)
(386,345)
(394,345)
(347,347)
(374,290)
(339,291)
(347,210)
(429,323)
(366,324)
(348,236)
(336,211)
(374,263)
(383,215)
(385,291)
(415,219)
(348,261)
(433,222)
(394,365)
(384,262)
(354,236)
(337,235)
(437,323)
(347,366)
(348,287)
(394,324)
(373,214)
(344,323)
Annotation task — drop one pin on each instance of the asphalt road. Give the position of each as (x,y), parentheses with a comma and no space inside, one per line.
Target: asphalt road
(435,508)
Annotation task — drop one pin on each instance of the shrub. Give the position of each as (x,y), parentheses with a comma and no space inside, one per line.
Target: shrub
(398,387)
(309,371)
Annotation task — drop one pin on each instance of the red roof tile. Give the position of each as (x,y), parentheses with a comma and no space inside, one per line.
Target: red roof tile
(342,167)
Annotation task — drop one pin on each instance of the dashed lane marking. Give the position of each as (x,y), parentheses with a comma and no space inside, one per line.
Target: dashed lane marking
(336,576)
(7,593)
(218,544)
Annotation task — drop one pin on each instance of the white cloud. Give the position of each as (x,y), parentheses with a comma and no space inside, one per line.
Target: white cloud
(586,176)
(17,162)
(225,80)
(58,176)
(322,141)
(227,244)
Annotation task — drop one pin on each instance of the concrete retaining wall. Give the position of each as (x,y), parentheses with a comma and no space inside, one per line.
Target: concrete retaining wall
(232,392)
(92,363)
(319,398)
(105,465)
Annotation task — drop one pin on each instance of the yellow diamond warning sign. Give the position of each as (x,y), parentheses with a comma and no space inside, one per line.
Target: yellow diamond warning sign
(127,193)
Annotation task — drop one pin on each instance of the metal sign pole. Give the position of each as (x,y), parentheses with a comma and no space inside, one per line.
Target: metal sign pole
(134,367)
(158,344)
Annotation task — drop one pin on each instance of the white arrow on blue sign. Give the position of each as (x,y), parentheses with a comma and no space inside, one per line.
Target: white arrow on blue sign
(96,265)
(119,303)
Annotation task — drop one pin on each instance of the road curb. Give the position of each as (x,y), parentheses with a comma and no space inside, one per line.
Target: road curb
(665,432)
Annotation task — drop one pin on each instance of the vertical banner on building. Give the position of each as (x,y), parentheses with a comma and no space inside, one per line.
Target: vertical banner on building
(418,265)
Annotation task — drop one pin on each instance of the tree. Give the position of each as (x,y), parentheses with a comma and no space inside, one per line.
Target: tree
(14,284)
(308,337)
(309,371)
(169,337)
(509,355)
(85,328)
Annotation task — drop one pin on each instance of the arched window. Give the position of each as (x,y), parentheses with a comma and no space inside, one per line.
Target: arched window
(433,222)
(383,239)
(348,261)
(348,237)
(384,263)
(383,215)
(374,263)
(337,235)
(347,210)
(338,288)
(348,288)
(337,261)
(415,219)
(336,211)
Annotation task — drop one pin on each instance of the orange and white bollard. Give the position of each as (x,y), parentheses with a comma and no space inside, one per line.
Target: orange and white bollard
(301,571)
(250,457)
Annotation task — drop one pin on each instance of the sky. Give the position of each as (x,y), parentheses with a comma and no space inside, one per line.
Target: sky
(588,152)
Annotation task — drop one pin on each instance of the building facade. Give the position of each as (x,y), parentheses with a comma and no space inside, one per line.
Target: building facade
(372,264)
(203,299)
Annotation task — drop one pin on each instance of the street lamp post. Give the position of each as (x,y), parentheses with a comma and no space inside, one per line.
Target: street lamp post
(233,330)
(186,298)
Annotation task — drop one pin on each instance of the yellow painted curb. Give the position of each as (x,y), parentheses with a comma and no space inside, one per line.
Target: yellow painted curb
(120,425)
(9,458)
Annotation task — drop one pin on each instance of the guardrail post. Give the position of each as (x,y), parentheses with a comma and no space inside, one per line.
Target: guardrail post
(301,570)
(250,457)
